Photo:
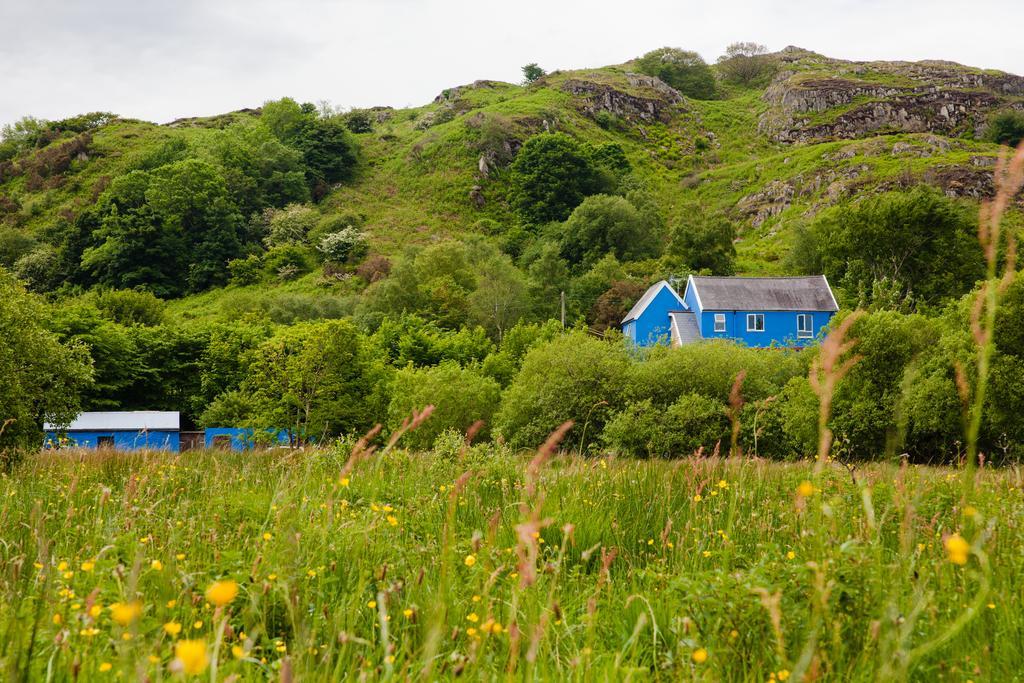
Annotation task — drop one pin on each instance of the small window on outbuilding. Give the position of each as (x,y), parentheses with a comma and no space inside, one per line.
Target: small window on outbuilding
(719,322)
(755,322)
(804,326)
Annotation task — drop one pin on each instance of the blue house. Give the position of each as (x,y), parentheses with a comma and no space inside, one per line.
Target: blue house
(756,311)
(123,431)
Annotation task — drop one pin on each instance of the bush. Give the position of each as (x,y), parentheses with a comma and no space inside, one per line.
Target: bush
(1006,128)
(460,397)
(745,63)
(604,224)
(246,271)
(685,71)
(130,307)
(704,241)
(691,423)
(550,176)
(575,377)
(290,225)
(344,245)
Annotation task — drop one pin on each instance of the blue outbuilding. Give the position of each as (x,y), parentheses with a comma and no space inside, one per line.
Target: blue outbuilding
(120,430)
(243,438)
(760,312)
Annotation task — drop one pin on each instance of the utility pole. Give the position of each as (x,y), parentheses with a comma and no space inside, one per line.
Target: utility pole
(562,297)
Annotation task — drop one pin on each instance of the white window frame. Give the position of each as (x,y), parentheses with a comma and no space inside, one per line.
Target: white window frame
(752,322)
(802,333)
(719,322)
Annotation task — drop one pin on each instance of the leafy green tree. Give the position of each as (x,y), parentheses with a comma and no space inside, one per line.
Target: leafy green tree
(290,225)
(745,63)
(575,377)
(704,241)
(607,224)
(532,72)
(317,380)
(325,143)
(346,244)
(1006,127)
(550,177)
(501,297)
(411,339)
(40,379)
(921,242)
(685,71)
(460,396)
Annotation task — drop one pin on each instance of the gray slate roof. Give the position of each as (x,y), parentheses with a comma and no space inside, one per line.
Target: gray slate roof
(684,327)
(647,298)
(764,293)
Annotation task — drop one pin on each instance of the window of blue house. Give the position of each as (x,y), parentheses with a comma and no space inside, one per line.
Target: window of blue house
(804,326)
(719,322)
(755,322)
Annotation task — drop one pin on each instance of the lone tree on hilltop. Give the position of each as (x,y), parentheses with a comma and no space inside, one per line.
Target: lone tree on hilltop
(531,72)
(744,63)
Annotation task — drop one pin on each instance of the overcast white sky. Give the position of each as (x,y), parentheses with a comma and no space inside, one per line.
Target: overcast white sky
(160,60)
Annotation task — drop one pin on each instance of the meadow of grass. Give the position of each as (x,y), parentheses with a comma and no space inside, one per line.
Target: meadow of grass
(492,564)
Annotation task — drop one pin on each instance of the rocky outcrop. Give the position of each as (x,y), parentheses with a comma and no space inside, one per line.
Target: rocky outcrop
(452,94)
(816,98)
(651,99)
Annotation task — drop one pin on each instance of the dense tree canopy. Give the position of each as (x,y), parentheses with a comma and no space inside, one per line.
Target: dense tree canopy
(550,177)
(685,71)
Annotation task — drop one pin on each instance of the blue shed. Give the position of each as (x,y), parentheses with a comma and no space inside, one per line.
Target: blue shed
(124,431)
(241,438)
(757,311)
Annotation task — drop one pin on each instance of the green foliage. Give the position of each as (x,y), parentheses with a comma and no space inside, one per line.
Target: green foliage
(922,242)
(345,245)
(685,71)
(130,307)
(317,380)
(704,241)
(606,224)
(532,72)
(290,225)
(550,177)
(691,424)
(40,379)
(410,339)
(746,63)
(1006,127)
(288,262)
(574,377)
(460,396)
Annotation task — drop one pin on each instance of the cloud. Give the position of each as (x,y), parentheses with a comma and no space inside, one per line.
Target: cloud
(164,60)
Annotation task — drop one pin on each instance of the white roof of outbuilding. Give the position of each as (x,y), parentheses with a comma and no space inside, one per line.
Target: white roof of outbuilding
(135,420)
(640,306)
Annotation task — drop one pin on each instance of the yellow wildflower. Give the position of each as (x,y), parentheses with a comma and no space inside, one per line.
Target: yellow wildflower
(106,666)
(221,593)
(157,565)
(790,555)
(237,652)
(472,617)
(125,613)
(783,674)
(957,548)
(392,520)
(172,628)
(191,656)
(372,604)
(470,560)
(700,655)
(96,610)
(88,566)
(805,489)
(407,612)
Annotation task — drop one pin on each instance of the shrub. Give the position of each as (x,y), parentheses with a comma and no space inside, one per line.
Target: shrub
(290,225)
(550,176)
(685,71)
(130,307)
(691,423)
(344,245)
(287,262)
(246,271)
(531,72)
(604,224)
(575,377)
(703,241)
(1006,128)
(745,63)
(460,397)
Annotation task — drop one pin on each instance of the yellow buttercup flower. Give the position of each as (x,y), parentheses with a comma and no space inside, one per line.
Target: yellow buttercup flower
(805,489)
(957,548)
(470,560)
(157,565)
(172,628)
(237,652)
(191,656)
(106,666)
(88,566)
(125,613)
(700,655)
(221,593)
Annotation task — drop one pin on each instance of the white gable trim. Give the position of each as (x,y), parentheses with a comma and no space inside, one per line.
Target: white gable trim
(650,295)
(690,283)
(829,288)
